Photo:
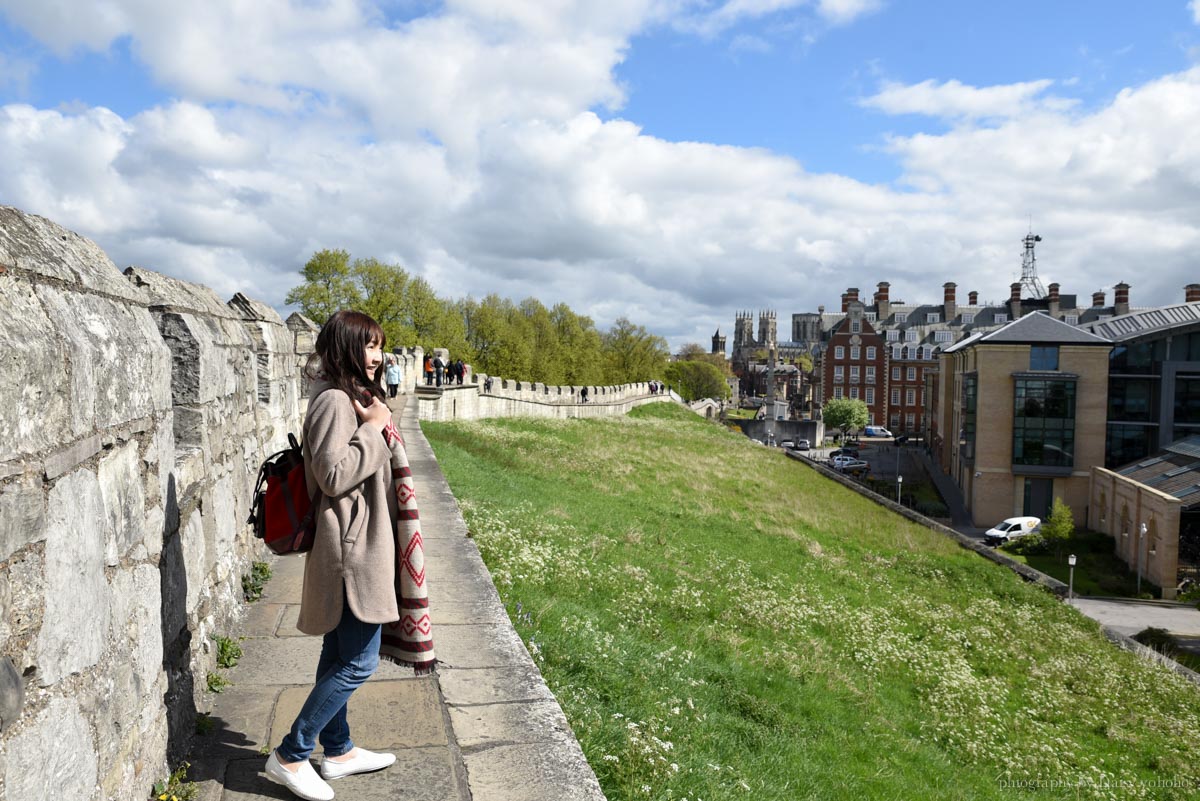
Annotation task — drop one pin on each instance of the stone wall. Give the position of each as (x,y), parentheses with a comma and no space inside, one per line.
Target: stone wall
(1119,506)
(134,411)
(508,398)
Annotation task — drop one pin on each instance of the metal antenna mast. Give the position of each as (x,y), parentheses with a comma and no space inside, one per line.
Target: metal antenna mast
(1030,283)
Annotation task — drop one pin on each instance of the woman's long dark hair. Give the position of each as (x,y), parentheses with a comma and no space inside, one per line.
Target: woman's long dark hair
(338,357)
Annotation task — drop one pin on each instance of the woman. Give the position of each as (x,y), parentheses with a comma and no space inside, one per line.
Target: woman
(351,450)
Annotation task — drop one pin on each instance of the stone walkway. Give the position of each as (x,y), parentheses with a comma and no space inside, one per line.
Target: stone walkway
(485,727)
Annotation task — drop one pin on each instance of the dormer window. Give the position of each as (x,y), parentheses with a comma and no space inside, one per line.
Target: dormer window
(933,317)
(1071,319)
(968,319)
(902,317)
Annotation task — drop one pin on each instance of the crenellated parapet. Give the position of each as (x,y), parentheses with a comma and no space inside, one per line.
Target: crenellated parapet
(502,397)
(134,412)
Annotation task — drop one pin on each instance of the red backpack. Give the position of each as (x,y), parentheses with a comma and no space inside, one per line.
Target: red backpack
(283,514)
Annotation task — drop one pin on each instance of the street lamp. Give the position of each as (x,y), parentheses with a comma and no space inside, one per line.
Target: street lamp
(899,483)
(1071,578)
(1141,538)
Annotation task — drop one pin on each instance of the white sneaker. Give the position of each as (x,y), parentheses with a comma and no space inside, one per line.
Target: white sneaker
(304,782)
(364,761)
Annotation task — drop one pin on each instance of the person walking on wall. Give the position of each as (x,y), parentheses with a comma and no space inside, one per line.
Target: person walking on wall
(428,371)
(367,535)
(439,367)
(393,377)
(460,369)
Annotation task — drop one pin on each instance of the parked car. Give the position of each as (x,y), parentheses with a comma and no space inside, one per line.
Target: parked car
(787,443)
(876,431)
(847,464)
(803,445)
(851,452)
(1011,528)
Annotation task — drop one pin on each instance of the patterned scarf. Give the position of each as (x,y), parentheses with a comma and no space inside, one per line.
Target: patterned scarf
(408,641)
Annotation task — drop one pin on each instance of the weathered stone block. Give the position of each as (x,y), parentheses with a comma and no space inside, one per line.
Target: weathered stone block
(55,756)
(75,622)
(124,502)
(22,514)
(21,585)
(196,559)
(34,410)
(119,368)
(12,693)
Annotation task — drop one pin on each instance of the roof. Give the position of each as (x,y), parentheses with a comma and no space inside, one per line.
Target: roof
(1041,329)
(1174,470)
(1146,321)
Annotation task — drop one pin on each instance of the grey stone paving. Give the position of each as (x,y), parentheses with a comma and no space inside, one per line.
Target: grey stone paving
(485,727)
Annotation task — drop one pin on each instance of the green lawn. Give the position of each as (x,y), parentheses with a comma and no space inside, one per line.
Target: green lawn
(721,622)
(1098,571)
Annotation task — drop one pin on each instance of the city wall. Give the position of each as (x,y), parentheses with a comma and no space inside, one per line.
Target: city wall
(134,412)
(508,398)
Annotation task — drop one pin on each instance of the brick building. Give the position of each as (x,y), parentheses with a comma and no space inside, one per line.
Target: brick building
(854,363)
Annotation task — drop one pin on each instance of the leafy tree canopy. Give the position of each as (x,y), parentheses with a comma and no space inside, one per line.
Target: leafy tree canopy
(846,414)
(525,341)
(695,379)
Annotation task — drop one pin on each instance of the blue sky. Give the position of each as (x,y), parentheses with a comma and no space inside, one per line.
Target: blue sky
(671,161)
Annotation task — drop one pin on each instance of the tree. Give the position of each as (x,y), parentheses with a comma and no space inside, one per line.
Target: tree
(846,414)
(1060,526)
(697,379)
(329,285)
(693,352)
(633,353)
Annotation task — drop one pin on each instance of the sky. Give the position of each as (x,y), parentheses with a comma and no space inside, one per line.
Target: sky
(668,161)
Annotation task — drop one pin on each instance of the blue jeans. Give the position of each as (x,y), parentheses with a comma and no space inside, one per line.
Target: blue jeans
(349,655)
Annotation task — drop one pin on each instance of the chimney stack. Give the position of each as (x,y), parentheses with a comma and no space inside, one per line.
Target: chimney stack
(1097,300)
(972,298)
(949,307)
(1191,293)
(883,305)
(1052,300)
(845,302)
(1121,298)
(1014,301)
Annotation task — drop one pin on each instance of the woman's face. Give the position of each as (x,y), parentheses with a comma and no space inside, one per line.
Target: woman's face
(373,357)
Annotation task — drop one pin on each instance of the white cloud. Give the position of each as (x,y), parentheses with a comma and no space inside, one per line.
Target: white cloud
(841,12)
(1194,6)
(462,145)
(953,99)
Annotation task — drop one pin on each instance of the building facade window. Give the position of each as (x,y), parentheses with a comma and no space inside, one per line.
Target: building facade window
(895,397)
(854,393)
(1000,318)
(966,440)
(839,352)
(855,327)
(1043,357)
(1071,319)
(855,352)
(870,353)
(933,317)
(871,317)
(837,392)
(910,397)
(894,421)
(870,393)
(1044,422)
(943,336)
(911,335)
(909,420)
(893,335)
(910,374)
(968,318)
(870,374)
(895,373)
(838,372)
(854,372)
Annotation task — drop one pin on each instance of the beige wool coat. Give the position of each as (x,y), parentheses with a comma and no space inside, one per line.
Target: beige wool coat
(349,461)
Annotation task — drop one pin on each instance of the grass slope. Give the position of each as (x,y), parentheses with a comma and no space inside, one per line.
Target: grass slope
(719,622)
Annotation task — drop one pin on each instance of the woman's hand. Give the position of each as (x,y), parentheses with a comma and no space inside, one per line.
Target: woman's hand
(377,414)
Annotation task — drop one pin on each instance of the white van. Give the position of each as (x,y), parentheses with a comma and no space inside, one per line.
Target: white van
(876,431)
(1011,528)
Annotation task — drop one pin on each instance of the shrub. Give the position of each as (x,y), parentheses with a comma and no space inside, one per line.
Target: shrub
(1060,526)
(1029,545)
(228,651)
(216,682)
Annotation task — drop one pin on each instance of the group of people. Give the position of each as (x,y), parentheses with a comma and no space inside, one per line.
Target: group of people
(438,371)
(656,387)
